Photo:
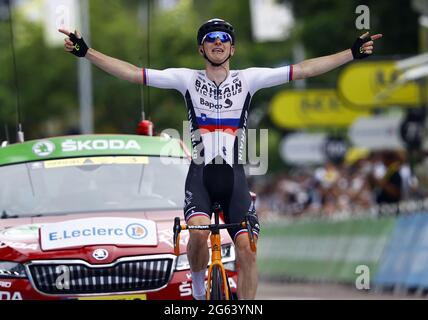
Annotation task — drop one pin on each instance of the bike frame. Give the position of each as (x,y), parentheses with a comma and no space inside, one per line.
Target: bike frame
(215,239)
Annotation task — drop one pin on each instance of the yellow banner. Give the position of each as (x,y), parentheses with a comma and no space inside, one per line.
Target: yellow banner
(370,85)
(71,162)
(296,109)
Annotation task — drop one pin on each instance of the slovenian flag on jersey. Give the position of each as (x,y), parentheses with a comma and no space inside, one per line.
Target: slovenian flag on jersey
(229,125)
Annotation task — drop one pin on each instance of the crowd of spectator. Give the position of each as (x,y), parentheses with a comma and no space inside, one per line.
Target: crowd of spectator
(374,179)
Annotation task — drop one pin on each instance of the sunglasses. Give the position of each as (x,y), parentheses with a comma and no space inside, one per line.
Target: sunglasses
(212,37)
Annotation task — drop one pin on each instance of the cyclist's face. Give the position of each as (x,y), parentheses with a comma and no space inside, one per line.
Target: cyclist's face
(217,51)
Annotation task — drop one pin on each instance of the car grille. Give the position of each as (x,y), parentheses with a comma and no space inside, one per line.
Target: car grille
(126,276)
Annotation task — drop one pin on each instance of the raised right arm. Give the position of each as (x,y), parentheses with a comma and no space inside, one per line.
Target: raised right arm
(118,68)
(113,66)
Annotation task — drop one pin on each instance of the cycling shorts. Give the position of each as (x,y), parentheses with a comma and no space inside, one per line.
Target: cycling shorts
(222,184)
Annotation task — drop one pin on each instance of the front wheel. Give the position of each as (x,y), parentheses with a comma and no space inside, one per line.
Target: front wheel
(217,285)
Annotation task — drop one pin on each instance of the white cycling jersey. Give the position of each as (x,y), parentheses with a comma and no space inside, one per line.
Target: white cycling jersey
(217,113)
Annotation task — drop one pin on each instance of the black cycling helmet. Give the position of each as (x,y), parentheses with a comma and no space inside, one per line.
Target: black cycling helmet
(215,25)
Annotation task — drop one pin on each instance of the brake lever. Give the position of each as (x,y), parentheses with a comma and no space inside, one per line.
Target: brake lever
(176,238)
(250,234)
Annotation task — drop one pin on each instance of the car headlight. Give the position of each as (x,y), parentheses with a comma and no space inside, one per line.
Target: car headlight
(10,269)
(182,262)
(227,254)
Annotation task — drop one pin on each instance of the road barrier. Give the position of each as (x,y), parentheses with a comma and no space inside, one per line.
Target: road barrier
(404,263)
(394,248)
(323,250)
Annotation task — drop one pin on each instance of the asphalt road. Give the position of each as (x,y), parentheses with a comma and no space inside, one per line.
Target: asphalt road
(269,290)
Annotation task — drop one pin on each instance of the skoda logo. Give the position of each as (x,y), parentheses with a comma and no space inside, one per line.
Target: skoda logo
(100,254)
(43,148)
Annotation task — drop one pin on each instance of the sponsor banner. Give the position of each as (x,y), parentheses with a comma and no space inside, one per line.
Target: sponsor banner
(395,250)
(98,231)
(322,249)
(5,284)
(413,128)
(335,149)
(6,295)
(404,262)
(45,148)
(377,133)
(314,108)
(303,148)
(85,161)
(91,146)
(360,85)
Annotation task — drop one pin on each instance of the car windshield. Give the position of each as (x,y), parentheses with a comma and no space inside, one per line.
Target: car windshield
(92,184)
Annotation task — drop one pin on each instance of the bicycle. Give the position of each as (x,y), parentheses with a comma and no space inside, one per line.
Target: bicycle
(218,282)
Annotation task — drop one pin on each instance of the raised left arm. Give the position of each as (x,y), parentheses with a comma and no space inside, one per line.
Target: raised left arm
(362,48)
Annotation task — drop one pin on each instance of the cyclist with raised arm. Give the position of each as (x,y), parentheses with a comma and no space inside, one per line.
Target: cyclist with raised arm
(218,101)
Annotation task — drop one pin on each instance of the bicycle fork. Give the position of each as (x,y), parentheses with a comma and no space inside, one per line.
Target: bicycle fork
(215,239)
(216,260)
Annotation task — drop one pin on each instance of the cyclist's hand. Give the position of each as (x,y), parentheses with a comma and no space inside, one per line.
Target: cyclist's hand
(254,222)
(74,43)
(364,45)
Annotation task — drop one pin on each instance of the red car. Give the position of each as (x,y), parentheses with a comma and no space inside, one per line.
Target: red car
(91,216)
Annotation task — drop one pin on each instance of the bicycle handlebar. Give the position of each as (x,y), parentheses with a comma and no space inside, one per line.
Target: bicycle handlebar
(212,227)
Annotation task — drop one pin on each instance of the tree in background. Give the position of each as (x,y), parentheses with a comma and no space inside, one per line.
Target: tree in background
(48,76)
(327,26)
